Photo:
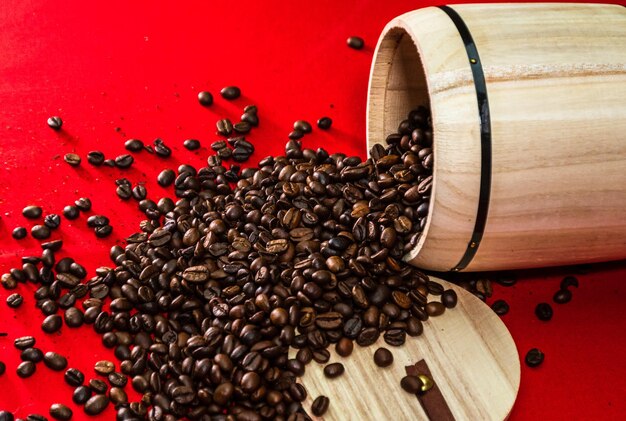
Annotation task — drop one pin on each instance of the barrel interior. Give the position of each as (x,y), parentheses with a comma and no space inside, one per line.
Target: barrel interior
(398,85)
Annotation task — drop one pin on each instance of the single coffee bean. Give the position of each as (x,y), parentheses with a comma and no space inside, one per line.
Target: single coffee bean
(19,233)
(72,159)
(74,377)
(344,347)
(98,386)
(24,342)
(124,161)
(134,145)
(97,221)
(83,204)
(26,369)
(205,98)
(411,384)
(54,361)
(230,92)
(161,149)
(242,127)
(224,127)
(534,357)
(324,123)
(95,158)
(117,379)
(191,144)
(52,323)
(32,212)
(53,246)
(104,367)
(395,337)
(435,308)
(52,221)
(70,212)
(500,307)
(32,354)
(320,405)
(166,177)
(40,232)
(96,404)
(543,311)
(55,122)
(15,300)
(334,370)
(295,135)
(562,296)
(356,42)
(302,126)
(383,357)
(449,298)
(81,395)
(36,417)
(109,163)
(103,231)
(58,411)
(569,281)
(3,369)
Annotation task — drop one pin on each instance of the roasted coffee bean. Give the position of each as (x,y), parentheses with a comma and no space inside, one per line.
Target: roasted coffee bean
(569,281)
(534,357)
(118,396)
(500,307)
(40,232)
(52,323)
(344,347)
(97,221)
(334,370)
(32,212)
(32,354)
(230,92)
(98,386)
(36,417)
(19,233)
(74,377)
(54,361)
(124,161)
(71,212)
(139,192)
(72,159)
(224,127)
(205,98)
(383,357)
(26,369)
(411,384)
(395,337)
(356,43)
(435,308)
(3,369)
(55,122)
(15,300)
(96,404)
(81,394)
(117,379)
(320,405)
(54,245)
(83,204)
(103,231)
(449,298)
(58,411)
(161,149)
(302,126)
(134,145)
(324,123)
(166,177)
(242,127)
(6,416)
(52,221)
(104,367)
(192,144)
(24,342)
(543,311)
(562,296)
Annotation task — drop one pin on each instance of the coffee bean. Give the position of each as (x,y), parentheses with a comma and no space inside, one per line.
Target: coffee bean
(569,281)
(344,347)
(117,379)
(191,144)
(40,232)
(449,298)
(83,204)
(98,386)
(19,233)
(95,158)
(334,370)
(55,122)
(15,300)
(54,361)
(103,231)
(36,417)
(26,369)
(72,159)
(32,354)
(223,393)
(534,357)
(224,127)
(242,127)
(205,98)
(383,357)
(59,411)
(24,342)
(70,212)
(74,377)
(3,369)
(96,404)
(161,149)
(356,42)
(97,221)
(543,311)
(118,396)
(6,416)
(395,337)
(104,367)
(435,308)
(166,177)
(134,145)
(230,92)
(32,212)
(411,384)
(324,123)
(295,135)
(52,323)
(500,307)
(52,221)
(302,126)
(73,317)
(320,405)
(81,395)
(124,161)
(562,296)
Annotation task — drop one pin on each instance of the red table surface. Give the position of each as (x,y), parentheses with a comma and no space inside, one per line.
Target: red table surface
(120,69)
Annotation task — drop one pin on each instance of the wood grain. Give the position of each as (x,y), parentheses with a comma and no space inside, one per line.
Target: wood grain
(468,350)
(556,81)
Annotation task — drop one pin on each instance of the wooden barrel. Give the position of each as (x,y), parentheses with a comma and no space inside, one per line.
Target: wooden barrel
(528,108)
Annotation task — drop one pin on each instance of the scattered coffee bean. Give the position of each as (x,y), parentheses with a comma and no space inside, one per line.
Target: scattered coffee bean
(356,42)
(224,127)
(36,417)
(230,92)
(74,377)
(435,308)
(161,149)
(344,347)
(134,145)
(98,386)
(334,370)
(26,369)
(32,212)
(52,221)
(6,416)
(97,221)
(118,396)
(59,411)
(81,395)
(205,98)
(449,298)
(70,212)
(53,246)
(52,323)
(24,342)
(562,296)
(569,281)
(411,384)
(295,135)
(15,300)
(83,204)
(543,311)
(117,379)
(500,307)
(103,231)
(32,354)
(96,404)
(40,232)
(72,159)
(534,357)
(54,361)
(74,317)
(191,144)
(320,405)
(124,161)
(324,123)
(383,357)
(166,177)
(19,233)
(302,126)
(95,158)
(55,122)
(104,367)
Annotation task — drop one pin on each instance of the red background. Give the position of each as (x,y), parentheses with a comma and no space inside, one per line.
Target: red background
(138,66)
